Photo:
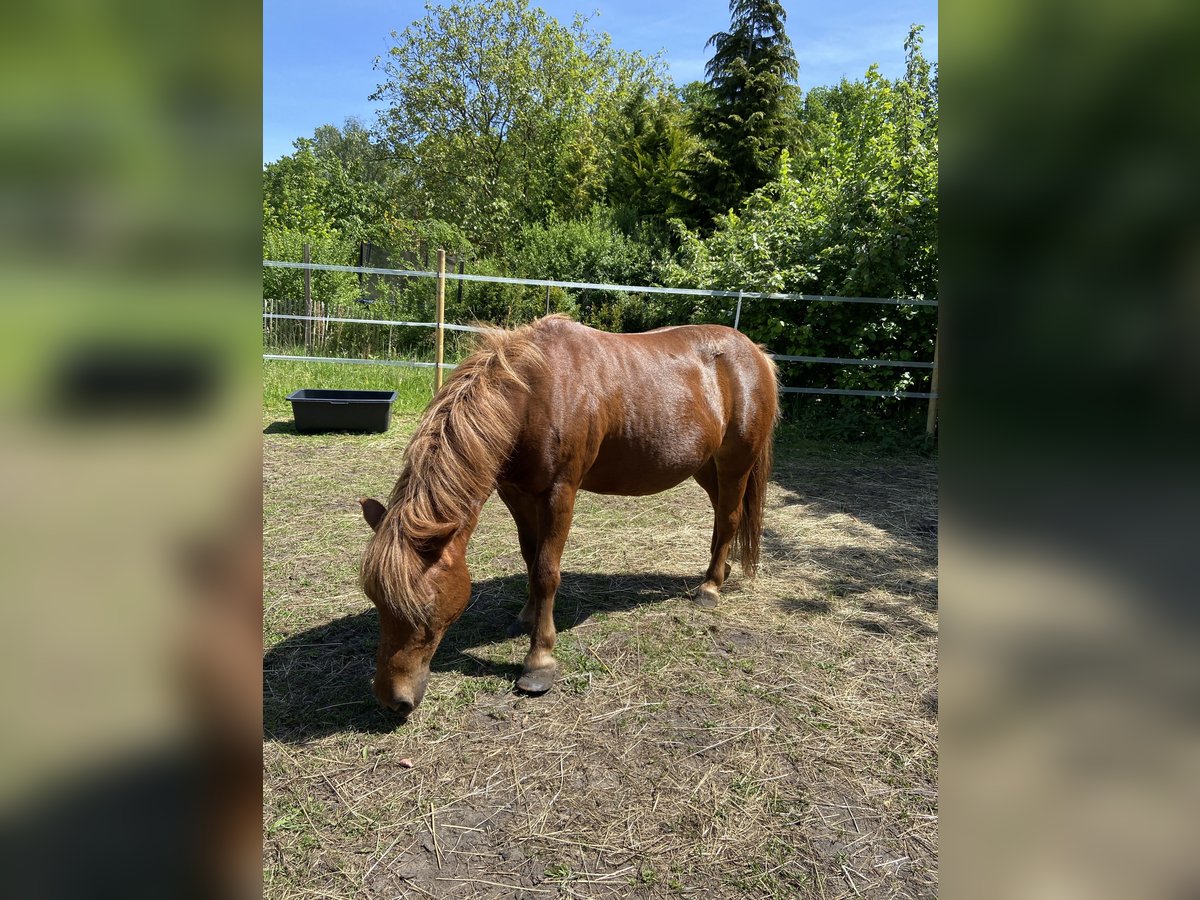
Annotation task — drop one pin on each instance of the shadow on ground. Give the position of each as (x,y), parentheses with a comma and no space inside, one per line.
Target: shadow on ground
(318,682)
(899,500)
(899,497)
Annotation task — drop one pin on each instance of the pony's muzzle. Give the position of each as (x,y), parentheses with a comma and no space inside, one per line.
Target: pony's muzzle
(400,697)
(404,707)
(398,700)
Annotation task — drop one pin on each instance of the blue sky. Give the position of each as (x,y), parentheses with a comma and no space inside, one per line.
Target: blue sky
(318,56)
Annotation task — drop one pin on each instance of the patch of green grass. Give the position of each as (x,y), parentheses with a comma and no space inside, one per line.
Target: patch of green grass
(464,692)
(744,787)
(299,817)
(291,820)
(559,872)
(774,873)
(573,653)
(799,439)
(413,387)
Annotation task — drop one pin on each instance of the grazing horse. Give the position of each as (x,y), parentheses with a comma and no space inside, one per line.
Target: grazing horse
(537,414)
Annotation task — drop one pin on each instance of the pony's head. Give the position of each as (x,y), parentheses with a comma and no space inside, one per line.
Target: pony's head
(420,590)
(415,567)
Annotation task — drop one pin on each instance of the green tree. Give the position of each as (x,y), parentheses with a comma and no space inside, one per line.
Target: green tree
(652,148)
(363,197)
(295,193)
(743,121)
(335,178)
(498,113)
(857,217)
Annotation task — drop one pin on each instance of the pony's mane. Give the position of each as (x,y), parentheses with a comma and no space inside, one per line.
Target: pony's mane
(450,466)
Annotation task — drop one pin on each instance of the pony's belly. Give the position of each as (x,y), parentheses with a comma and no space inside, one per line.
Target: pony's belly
(631,469)
(634,484)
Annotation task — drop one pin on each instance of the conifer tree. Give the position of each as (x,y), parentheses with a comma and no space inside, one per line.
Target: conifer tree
(747,120)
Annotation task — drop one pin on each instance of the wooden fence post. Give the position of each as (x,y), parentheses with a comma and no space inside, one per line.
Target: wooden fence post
(308,299)
(547,299)
(931,419)
(441,317)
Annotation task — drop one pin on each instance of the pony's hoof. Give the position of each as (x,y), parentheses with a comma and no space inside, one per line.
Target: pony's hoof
(706,597)
(536,682)
(516,628)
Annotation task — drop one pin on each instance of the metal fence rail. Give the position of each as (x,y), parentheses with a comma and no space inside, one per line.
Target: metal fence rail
(589,286)
(901,363)
(847,392)
(740,296)
(411,363)
(445,325)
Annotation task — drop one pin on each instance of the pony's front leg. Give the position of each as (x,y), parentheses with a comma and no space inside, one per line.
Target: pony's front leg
(524,509)
(554,522)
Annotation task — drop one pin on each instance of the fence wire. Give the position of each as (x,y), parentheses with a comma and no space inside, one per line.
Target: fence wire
(740,296)
(589,286)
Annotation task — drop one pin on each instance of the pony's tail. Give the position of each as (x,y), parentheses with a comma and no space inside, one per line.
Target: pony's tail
(748,540)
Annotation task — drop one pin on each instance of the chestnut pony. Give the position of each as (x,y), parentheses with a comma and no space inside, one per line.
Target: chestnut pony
(538,414)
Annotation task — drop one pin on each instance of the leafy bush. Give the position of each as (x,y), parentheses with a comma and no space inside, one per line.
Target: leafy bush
(600,249)
(857,218)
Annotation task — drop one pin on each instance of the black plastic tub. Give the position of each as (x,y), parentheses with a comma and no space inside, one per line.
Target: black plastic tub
(336,410)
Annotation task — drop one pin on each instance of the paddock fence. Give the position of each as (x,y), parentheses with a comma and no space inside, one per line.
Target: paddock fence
(312,325)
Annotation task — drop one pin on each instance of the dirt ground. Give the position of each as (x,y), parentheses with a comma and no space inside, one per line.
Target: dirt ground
(782,745)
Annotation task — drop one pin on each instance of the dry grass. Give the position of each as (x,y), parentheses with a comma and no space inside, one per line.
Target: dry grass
(783,745)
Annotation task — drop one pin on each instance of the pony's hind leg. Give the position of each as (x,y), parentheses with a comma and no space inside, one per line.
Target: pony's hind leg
(554,510)
(726,490)
(707,479)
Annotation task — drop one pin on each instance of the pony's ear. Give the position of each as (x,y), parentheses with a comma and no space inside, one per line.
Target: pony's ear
(373,511)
